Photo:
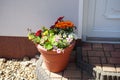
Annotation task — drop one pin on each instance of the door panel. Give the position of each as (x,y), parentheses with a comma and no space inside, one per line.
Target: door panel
(103,19)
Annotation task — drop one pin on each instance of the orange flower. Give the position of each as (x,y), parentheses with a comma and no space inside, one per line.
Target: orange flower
(64,24)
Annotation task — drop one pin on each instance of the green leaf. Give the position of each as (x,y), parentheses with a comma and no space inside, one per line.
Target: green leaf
(31,36)
(45,38)
(55,43)
(48,46)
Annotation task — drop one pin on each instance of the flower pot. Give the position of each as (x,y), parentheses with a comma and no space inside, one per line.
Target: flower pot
(56,62)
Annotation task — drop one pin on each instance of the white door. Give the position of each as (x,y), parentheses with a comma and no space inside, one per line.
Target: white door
(101,20)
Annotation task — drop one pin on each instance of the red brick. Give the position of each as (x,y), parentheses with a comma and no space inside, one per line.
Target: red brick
(117,50)
(95,53)
(115,54)
(87,44)
(107,53)
(103,60)
(85,59)
(94,60)
(84,53)
(114,60)
(72,58)
(85,76)
(97,45)
(108,47)
(71,66)
(116,45)
(72,74)
(86,48)
(98,49)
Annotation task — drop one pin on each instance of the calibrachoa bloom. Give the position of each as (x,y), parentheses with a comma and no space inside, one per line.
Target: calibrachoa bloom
(59,36)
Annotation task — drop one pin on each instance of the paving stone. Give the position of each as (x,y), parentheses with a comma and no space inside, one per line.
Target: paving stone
(85,59)
(114,60)
(55,78)
(86,48)
(108,47)
(56,75)
(117,50)
(72,74)
(87,44)
(107,53)
(85,76)
(95,53)
(44,66)
(115,54)
(72,66)
(103,60)
(97,46)
(72,58)
(94,60)
(84,53)
(47,72)
(116,45)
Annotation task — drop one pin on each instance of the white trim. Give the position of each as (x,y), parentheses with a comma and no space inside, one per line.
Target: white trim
(85,19)
(80,19)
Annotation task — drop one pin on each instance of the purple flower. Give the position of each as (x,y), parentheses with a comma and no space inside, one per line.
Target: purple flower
(60,18)
(52,26)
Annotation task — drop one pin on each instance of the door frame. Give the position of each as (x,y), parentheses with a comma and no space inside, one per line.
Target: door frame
(80,19)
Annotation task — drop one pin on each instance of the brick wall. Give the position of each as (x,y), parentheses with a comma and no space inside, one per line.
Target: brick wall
(16,47)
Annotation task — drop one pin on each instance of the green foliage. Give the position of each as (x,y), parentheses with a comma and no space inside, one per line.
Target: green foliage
(53,38)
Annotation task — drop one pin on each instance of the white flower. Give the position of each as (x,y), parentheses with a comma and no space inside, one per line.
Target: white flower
(69,40)
(59,50)
(57,38)
(64,35)
(70,36)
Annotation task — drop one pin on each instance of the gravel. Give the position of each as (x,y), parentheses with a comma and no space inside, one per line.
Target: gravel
(18,69)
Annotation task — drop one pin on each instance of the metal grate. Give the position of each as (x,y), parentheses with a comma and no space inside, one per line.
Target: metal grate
(105,75)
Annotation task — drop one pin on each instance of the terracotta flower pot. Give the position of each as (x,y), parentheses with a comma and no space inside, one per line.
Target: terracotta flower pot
(56,62)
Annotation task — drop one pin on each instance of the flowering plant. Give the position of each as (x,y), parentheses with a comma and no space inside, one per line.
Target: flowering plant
(57,37)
